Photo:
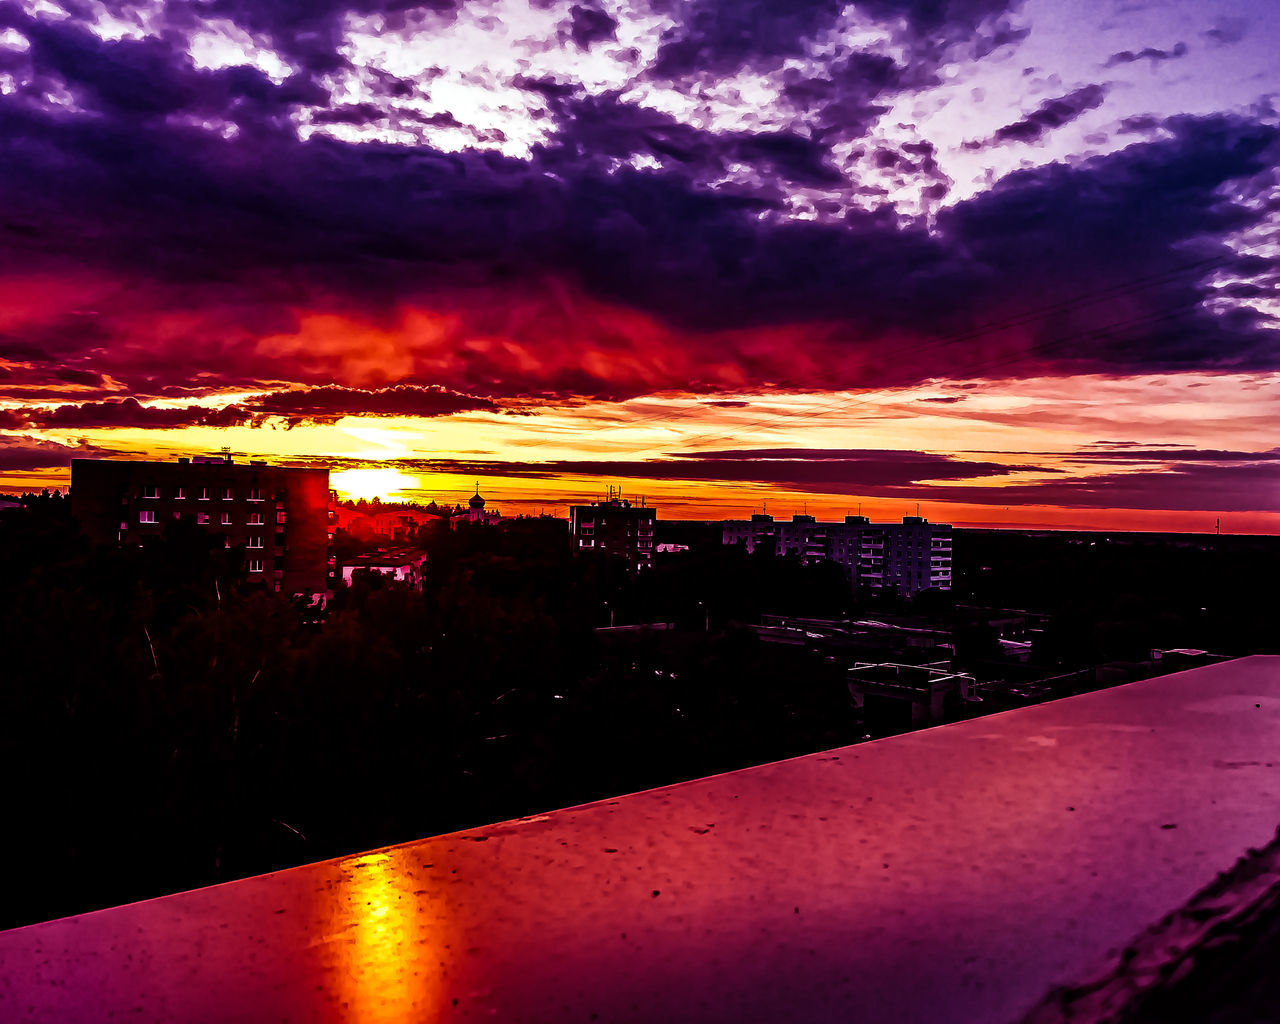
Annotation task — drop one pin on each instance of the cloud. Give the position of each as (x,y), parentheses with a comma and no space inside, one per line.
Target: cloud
(1226,31)
(603,128)
(1051,114)
(147,79)
(850,95)
(1139,124)
(325,404)
(331,402)
(721,36)
(21,454)
(151,244)
(1201,482)
(1249,487)
(1147,53)
(847,471)
(1137,453)
(590,25)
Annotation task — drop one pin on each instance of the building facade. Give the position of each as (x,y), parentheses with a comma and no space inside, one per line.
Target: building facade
(908,557)
(278,514)
(616,528)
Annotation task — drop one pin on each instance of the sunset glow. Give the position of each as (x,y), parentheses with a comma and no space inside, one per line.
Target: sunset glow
(984,257)
(385,484)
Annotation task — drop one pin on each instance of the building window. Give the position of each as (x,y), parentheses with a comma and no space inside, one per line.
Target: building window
(204,494)
(255,541)
(180,494)
(255,518)
(202,518)
(280,515)
(255,494)
(227,494)
(226,518)
(150,491)
(255,565)
(147,515)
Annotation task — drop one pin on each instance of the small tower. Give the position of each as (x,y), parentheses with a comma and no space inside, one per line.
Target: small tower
(476,504)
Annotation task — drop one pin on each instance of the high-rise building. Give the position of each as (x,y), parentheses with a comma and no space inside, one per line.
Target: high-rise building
(614,527)
(278,514)
(908,557)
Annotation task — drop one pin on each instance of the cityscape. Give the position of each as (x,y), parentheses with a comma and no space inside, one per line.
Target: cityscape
(711,511)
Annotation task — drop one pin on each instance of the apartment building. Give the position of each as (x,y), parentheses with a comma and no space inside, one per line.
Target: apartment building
(614,527)
(908,557)
(278,514)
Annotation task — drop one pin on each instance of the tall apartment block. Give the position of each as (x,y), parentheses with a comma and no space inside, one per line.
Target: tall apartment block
(908,557)
(278,514)
(614,527)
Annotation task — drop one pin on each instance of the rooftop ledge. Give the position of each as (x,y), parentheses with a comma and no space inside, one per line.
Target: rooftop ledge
(959,873)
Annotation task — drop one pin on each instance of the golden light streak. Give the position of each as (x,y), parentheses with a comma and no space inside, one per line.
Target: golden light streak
(387,944)
(384,484)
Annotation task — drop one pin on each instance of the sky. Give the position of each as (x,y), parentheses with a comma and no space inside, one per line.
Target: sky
(1016,263)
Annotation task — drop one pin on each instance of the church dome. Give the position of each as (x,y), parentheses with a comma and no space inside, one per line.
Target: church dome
(476,501)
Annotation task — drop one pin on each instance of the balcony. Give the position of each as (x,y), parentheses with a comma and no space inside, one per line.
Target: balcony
(951,874)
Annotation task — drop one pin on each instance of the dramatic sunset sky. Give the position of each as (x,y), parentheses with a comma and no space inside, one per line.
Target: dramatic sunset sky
(1015,261)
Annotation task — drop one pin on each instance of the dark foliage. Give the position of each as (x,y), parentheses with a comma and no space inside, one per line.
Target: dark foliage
(166,727)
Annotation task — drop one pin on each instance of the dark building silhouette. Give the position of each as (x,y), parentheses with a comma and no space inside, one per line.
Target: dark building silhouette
(278,514)
(614,527)
(907,557)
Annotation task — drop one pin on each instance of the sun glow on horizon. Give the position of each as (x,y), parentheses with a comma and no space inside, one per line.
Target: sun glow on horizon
(372,483)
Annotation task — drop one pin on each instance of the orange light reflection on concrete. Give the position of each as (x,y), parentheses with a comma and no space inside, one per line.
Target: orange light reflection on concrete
(387,943)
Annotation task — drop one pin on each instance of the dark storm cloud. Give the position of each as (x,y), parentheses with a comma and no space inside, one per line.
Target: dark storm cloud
(851,96)
(308,32)
(1072,236)
(1251,487)
(212,245)
(149,78)
(328,403)
(602,126)
(590,25)
(124,412)
(720,36)
(1147,53)
(1051,114)
(1227,486)
(1140,124)
(1148,454)
(836,470)
(325,404)
(19,454)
